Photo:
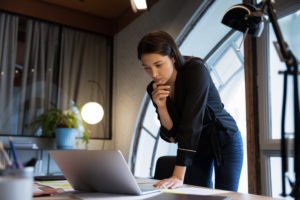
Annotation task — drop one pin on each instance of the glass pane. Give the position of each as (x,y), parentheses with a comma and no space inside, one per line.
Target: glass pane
(208,31)
(215,79)
(227,65)
(290,26)
(276,184)
(151,121)
(144,155)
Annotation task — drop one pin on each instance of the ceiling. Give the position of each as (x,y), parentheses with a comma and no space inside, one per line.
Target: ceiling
(106,17)
(107,9)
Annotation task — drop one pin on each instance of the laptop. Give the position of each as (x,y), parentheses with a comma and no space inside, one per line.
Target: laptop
(103,171)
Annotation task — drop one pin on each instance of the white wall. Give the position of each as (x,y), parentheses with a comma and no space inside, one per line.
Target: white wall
(130,81)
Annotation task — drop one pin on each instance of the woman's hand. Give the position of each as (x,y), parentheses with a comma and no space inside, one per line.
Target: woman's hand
(160,94)
(176,180)
(169,183)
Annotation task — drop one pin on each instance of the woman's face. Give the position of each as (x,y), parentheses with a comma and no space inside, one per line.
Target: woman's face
(160,68)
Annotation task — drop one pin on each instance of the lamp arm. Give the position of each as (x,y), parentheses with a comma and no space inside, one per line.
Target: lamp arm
(292,69)
(99,88)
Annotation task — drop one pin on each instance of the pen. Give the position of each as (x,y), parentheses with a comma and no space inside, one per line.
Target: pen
(14,154)
(5,154)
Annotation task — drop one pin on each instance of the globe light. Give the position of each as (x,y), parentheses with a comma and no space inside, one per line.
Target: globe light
(92,112)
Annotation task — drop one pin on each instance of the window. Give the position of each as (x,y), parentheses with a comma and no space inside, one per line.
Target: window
(42,67)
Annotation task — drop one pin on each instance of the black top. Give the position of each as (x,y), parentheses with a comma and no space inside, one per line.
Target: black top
(195,98)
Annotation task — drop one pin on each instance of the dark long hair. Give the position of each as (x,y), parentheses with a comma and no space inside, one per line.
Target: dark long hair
(162,43)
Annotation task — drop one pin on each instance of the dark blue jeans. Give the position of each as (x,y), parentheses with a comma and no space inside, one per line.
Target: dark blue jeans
(227,174)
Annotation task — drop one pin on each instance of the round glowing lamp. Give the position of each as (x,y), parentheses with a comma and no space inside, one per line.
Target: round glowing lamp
(92,112)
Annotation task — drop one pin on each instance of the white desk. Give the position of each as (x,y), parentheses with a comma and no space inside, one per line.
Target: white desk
(186,189)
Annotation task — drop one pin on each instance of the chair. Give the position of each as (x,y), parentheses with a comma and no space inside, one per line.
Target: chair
(164,167)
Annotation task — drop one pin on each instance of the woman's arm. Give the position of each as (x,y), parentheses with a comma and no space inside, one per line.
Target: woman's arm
(165,118)
(160,94)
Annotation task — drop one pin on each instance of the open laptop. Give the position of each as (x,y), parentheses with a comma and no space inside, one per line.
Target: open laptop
(104,171)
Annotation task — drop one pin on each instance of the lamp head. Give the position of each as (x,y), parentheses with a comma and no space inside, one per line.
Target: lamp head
(245,18)
(92,112)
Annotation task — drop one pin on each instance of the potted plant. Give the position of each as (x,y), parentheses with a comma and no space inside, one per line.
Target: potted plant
(63,125)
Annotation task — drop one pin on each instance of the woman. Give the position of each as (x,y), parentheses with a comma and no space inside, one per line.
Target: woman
(191,114)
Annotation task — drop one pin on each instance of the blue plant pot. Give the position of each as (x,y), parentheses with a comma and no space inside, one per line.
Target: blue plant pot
(65,138)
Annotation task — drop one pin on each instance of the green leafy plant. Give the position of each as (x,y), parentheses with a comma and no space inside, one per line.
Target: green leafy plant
(57,118)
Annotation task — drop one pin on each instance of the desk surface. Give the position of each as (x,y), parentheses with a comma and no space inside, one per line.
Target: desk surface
(186,189)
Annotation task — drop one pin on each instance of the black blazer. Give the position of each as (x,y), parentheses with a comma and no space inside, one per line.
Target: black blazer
(196,104)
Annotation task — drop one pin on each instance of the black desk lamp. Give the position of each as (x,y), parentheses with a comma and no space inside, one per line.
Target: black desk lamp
(245,18)
(249,19)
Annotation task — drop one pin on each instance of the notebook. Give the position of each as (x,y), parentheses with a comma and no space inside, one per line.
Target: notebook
(104,171)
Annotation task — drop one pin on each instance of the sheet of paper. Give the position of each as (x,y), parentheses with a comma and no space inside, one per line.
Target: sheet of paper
(173,196)
(50,188)
(195,190)
(62,184)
